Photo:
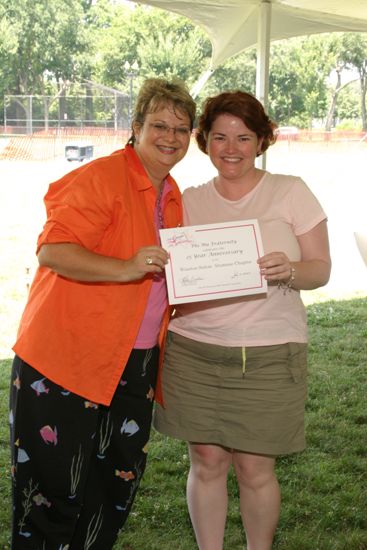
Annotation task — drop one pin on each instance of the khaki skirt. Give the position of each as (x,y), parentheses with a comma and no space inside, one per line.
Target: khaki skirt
(249,399)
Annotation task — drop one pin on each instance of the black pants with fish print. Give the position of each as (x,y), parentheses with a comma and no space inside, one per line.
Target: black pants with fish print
(76,465)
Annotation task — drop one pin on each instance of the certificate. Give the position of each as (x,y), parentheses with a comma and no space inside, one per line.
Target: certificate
(209,262)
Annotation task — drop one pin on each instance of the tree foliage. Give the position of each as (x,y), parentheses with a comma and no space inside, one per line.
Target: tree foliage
(47,44)
(355,45)
(161,43)
(237,73)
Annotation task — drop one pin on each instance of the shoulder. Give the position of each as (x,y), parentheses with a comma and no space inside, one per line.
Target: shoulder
(108,172)
(97,178)
(111,163)
(285,185)
(284,179)
(197,193)
(295,197)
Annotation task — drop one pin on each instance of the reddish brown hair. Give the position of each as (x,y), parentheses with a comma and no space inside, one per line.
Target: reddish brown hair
(242,105)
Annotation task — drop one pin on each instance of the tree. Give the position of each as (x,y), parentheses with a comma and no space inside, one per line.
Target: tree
(355,45)
(237,73)
(285,104)
(348,107)
(162,44)
(298,89)
(49,42)
(8,47)
(46,45)
(335,45)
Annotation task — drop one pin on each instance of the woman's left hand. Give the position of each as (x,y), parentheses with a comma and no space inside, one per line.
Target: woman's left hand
(311,271)
(275,266)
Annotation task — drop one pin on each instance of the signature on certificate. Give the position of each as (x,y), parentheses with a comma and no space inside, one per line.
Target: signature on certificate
(179,238)
(238,274)
(190,280)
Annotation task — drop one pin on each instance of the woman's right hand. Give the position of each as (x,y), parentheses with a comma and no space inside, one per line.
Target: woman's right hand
(149,259)
(75,262)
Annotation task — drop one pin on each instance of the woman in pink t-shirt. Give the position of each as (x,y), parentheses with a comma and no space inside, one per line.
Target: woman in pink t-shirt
(234,377)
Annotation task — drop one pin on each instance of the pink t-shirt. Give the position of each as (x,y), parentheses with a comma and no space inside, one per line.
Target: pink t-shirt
(157,302)
(285,207)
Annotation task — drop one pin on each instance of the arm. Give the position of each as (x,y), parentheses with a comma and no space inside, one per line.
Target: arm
(312,271)
(75,262)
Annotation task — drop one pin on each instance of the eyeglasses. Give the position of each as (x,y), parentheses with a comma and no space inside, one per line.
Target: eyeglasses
(163,129)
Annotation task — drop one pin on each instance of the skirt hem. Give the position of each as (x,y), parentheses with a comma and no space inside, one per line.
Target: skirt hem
(216,439)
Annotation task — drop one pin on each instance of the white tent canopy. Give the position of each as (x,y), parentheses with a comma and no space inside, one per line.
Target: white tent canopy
(234,25)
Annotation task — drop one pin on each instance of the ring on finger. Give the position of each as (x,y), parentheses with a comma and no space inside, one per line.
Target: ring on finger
(148,260)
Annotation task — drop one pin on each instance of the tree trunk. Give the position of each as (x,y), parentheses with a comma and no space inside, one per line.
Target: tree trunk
(363,81)
(334,99)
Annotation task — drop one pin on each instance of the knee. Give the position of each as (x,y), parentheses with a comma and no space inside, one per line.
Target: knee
(209,462)
(254,472)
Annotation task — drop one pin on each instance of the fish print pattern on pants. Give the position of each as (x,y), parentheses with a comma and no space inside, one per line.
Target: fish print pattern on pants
(93,456)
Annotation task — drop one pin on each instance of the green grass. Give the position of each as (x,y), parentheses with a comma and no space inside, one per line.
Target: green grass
(323,489)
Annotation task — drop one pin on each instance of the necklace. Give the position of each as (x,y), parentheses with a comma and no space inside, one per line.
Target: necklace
(159,208)
(159,224)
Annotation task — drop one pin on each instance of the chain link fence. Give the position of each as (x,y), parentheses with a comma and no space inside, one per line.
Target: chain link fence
(30,114)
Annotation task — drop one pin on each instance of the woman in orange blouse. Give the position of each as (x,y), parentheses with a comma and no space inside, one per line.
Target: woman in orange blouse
(88,345)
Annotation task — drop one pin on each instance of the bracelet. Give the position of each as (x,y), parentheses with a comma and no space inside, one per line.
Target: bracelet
(287,285)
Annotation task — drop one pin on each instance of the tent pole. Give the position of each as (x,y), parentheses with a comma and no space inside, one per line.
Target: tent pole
(262,64)
(200,83)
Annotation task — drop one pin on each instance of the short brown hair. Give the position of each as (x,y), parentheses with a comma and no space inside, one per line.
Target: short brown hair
(157,93)
(242,105)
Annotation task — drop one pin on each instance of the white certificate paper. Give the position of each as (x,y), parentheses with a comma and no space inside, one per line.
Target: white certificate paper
(209,262)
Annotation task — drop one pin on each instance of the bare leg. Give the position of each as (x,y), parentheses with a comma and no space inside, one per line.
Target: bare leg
(259,498)
(207,493)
